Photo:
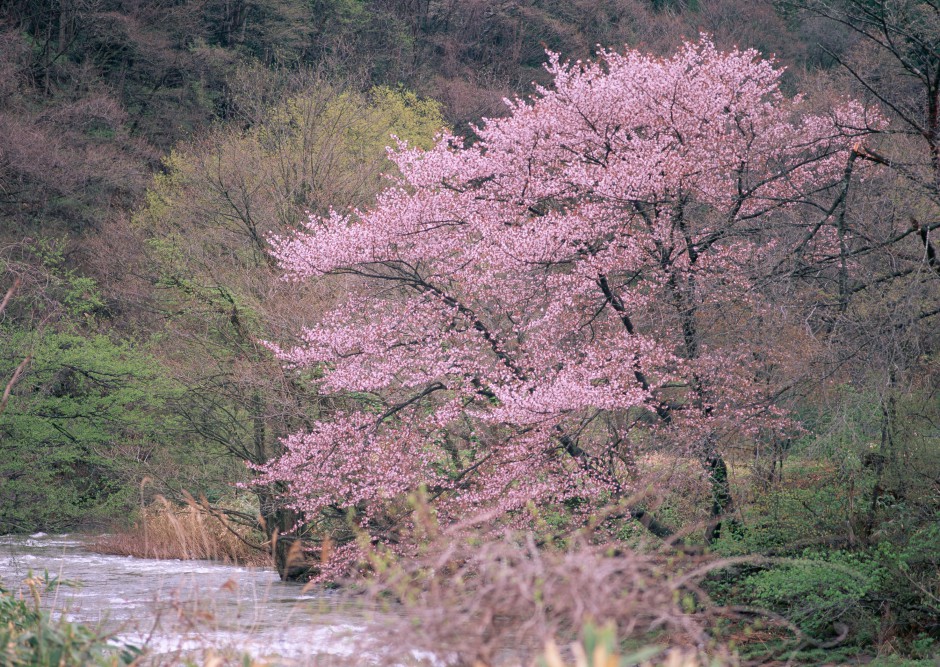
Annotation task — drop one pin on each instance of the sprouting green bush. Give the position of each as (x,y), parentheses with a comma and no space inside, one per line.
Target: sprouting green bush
(786,519)
(883,592)
(910,590)
(818,590)
(30,637)
(883,582)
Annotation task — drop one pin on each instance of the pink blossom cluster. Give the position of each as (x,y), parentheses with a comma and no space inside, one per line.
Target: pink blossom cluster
(526,311)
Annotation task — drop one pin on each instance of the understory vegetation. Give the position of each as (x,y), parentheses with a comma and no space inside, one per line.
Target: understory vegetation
(31,637)
(601,331)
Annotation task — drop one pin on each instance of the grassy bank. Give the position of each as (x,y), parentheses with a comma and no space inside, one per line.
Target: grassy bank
(816,572)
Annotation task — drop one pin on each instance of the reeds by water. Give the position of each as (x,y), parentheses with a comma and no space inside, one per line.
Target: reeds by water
(188,532)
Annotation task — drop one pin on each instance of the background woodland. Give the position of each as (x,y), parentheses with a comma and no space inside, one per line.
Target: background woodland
(148,150)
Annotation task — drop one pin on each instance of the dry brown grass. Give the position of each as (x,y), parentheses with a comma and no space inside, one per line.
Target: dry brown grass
(498,602)
(188,532)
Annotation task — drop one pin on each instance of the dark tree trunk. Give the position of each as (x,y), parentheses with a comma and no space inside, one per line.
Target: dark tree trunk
(286,552)
(722,500)
(278,522)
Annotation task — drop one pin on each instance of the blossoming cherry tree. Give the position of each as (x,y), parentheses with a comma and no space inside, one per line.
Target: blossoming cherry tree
(524,313)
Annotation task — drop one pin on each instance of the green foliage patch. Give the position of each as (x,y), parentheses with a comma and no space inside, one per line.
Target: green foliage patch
(88,414)
(31,637)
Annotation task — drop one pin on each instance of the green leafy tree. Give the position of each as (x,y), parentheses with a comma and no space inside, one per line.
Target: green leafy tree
(86,413)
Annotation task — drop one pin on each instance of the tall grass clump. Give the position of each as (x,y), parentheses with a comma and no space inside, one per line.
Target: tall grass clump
(164,530)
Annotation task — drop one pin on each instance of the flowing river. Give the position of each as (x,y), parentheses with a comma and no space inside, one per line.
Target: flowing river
(182,609)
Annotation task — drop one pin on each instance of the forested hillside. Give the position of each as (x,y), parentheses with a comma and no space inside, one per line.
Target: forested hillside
(752,370)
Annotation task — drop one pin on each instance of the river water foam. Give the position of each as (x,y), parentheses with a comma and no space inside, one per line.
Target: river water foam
(180,608)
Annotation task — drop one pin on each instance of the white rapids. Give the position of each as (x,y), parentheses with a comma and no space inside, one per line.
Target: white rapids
(179,610)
